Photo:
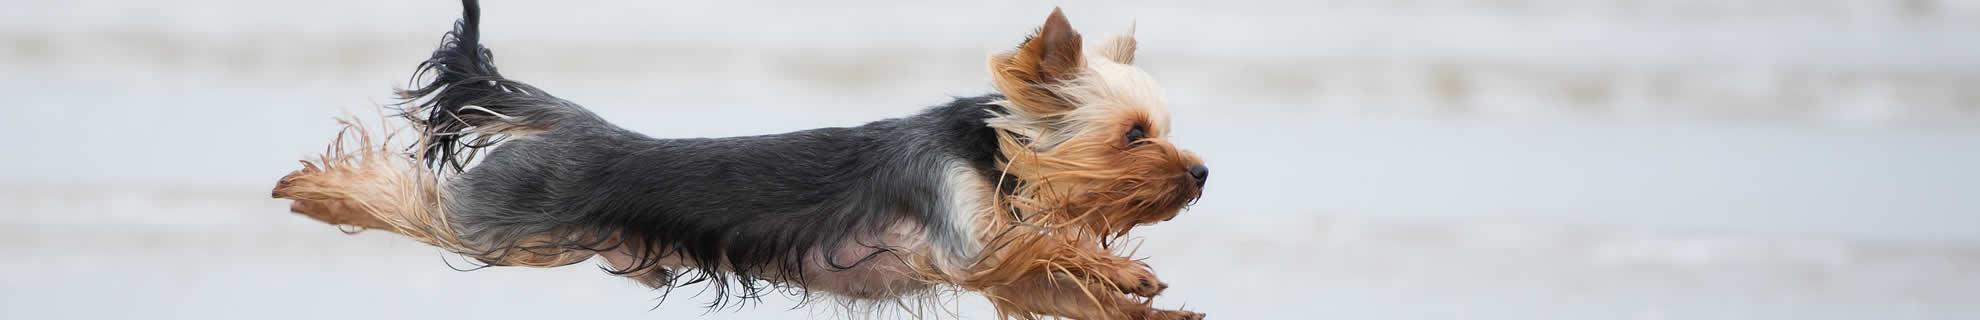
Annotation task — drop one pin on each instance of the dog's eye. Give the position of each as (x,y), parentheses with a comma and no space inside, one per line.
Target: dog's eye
(1135,135)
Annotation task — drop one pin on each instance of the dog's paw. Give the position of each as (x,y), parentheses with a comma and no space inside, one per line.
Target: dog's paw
(288,182)
(1158,314)
(304,190)
(1137,279)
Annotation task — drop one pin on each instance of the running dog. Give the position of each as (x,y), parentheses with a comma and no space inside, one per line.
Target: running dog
(1016,194)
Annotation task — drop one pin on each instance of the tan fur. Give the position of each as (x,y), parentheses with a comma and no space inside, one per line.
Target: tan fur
(363,183)
(1119,48)
(1049,56)
(1071,266)
(1083,183)
(1076,163)
(1055,295)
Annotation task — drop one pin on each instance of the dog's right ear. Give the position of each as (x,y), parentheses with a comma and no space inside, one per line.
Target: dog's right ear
(1046,59)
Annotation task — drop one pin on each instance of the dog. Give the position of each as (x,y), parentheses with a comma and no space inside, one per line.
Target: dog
(1017,195)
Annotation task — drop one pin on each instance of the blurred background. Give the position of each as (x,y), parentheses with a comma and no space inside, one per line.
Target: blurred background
(1504,159)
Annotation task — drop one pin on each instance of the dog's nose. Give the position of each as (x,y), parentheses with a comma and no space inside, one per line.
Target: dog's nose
(1201,173)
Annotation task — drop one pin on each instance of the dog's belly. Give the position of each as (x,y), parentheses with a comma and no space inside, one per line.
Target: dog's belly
(888,273)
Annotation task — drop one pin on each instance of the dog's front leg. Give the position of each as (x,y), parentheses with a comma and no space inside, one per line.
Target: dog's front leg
(1120,273)
(1085,259)
(1075,278)
(1062,295)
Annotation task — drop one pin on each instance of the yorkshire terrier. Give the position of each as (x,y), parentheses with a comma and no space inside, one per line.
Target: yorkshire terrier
(1018,195)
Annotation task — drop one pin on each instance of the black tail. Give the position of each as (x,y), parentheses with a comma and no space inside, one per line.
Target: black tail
(467,105)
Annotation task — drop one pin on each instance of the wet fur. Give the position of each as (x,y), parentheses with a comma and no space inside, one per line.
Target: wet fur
(1014,195)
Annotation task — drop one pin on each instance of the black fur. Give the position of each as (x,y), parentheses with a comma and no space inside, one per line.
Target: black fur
(755,206)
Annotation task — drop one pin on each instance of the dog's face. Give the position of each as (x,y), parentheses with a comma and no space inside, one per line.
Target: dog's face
(1087,133)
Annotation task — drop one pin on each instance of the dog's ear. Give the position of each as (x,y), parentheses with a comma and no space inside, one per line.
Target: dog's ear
(1119,48)
(1046,59)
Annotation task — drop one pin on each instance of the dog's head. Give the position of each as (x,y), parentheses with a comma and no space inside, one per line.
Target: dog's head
(1086,133)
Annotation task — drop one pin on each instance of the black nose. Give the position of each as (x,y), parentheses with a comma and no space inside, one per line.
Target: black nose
(1201,173)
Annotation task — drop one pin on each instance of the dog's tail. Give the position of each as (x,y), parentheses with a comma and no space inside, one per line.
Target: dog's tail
(365,182)
(464,103)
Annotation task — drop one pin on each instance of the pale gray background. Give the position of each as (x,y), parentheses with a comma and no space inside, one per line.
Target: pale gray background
(1541,159)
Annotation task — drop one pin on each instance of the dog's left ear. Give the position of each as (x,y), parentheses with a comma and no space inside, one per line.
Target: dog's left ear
(1046,59)
(1119,48)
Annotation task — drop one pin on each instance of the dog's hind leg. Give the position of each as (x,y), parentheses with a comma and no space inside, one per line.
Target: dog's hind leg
(360,182)
(325,207)
(364,183)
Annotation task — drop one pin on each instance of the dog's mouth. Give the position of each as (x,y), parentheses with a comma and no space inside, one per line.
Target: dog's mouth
(1187,199)
(1186,194)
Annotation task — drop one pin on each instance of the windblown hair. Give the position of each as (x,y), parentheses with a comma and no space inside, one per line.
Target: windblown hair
(1083,144)
(1064,138)
(1009,194)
